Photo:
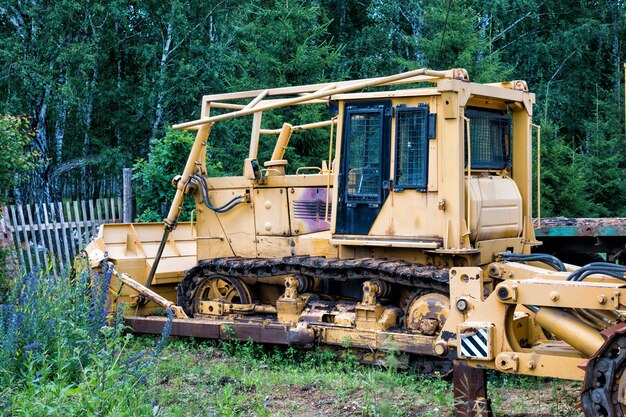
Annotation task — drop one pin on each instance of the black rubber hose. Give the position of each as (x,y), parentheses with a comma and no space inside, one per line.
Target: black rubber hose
(232,206)
(613,270)
(204,191)
(595,266)
(539,257)
(549,260)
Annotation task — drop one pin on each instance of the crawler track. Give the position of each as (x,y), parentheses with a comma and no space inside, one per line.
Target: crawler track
(340,270)
(603,390)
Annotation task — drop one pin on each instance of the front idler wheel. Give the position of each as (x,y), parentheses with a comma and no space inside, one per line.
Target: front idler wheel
(220,288)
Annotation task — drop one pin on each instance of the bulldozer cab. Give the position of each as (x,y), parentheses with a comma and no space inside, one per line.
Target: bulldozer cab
(443,168)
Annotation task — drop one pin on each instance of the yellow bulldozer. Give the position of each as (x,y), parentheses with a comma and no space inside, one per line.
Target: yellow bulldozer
(415,235)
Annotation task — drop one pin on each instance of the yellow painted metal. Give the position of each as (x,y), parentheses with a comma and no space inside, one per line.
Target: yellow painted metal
(468,175)
(290,305)
(452,167)
(375,339)
(559,293)
(565,326)
(151,295)
(193,161)
(277,160)
(389,243)
(254,135)
(306,126)
(257,99)
(522,174)
(541,362)
(538,174)
(330,171)
(271,212)
(222,308)
(319,93)
(427,313)
(496,208)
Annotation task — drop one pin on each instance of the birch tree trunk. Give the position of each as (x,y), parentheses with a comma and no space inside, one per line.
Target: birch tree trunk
(59,130)
(86,181)
(167,44)
(40,182)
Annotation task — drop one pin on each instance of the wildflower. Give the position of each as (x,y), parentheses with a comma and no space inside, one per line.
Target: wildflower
(119,314)
(100,308)
(132,360)
(34,347)
(165,334)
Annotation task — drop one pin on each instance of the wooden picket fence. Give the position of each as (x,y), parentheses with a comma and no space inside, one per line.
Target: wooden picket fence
(51,235)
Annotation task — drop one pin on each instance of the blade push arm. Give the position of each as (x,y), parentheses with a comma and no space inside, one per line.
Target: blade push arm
(182,188)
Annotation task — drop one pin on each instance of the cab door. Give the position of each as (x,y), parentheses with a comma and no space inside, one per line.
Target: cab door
(364,169)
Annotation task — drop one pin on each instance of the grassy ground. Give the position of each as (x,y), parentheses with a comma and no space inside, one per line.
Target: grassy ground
(59,358)
(242,379)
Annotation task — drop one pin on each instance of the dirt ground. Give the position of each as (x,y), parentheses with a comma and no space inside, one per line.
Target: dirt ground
(515,402)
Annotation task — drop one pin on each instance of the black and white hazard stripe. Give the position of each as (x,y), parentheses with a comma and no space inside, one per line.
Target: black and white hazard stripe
(475,345)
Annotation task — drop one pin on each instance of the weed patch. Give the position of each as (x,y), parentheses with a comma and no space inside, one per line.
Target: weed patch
(243,378)
(58,356)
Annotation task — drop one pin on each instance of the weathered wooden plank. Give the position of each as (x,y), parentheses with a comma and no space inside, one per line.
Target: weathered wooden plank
(33,235)
(16,236)
(106,210)
(79,232)
(92,219)
(48,225)
(73,233)
(54,231)
(127,195)
(4,223)
(27,245)
(85,221)
(120,211)
(42,240)
(113,217)
(99,211)
(50,219)
(64,231)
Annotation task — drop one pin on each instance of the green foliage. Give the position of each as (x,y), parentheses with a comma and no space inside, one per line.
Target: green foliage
(58,356)
(278,44)
(282,43)
(9,268)
(562,178)
(153,178)
(16,154)
(105,386)
(244,378)
(450,40)
(603,159)
(101,80)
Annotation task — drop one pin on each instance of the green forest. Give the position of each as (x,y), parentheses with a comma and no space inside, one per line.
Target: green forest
(99,82)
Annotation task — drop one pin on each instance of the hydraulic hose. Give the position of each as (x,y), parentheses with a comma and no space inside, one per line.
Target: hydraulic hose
(594,268)
(549,260)
(204,192)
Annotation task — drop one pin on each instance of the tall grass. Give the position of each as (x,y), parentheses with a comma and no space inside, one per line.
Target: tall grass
(58,355)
